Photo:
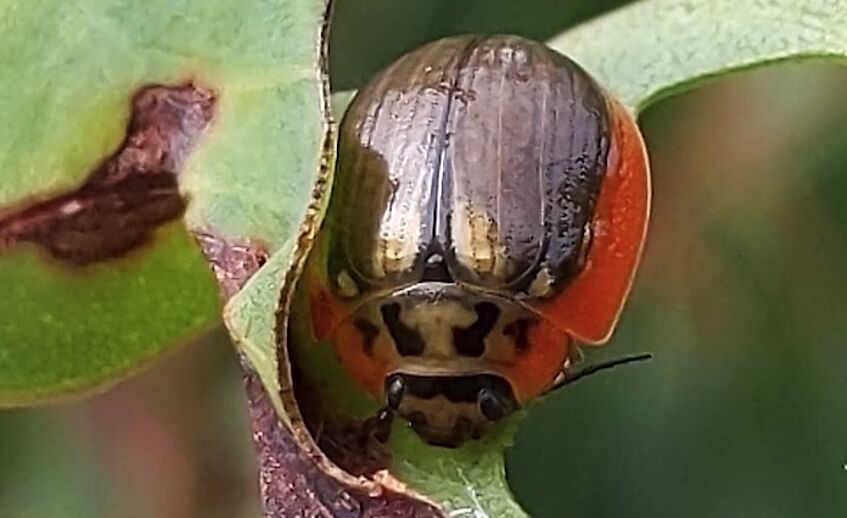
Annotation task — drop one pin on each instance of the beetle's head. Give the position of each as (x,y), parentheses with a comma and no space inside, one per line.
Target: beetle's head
(447,410)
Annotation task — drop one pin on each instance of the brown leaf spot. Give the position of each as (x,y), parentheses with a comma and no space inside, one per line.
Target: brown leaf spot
(292,484)
(131,193)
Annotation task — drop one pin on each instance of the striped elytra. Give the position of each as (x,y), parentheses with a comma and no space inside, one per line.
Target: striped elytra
(489,208)
(475,159)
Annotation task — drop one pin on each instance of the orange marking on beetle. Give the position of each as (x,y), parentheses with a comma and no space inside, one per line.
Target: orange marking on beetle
(325,309)
(349,344)
(589,307)
(328,315)
(324,313)
(533,371)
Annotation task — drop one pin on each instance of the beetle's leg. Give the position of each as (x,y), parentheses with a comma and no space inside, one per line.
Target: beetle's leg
(575,357)
(566,377)
(379,426)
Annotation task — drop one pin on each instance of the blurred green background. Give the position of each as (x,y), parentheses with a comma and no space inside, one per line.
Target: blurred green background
(742,297)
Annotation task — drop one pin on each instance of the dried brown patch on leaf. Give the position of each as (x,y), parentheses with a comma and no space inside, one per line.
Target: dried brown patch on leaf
(233,263)
(346,441)
(131,193)
(293,484)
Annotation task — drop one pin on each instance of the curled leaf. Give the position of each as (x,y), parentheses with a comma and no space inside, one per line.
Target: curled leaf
(641,53)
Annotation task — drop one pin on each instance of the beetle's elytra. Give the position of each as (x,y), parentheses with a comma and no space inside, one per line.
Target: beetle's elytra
(489,207)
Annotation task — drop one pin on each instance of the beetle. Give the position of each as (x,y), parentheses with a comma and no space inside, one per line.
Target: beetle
(489,209)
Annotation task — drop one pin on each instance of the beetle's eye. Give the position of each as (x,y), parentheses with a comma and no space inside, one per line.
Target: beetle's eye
(395,390)
(492,405)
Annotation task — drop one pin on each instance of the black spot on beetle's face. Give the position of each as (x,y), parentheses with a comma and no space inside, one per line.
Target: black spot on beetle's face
(457,389)
(519,331)
(369,332)
(407,340)
(470,341)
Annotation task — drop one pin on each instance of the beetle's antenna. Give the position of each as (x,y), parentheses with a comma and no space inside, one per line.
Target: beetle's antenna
(570,377)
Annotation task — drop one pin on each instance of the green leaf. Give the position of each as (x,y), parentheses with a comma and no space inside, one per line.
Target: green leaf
(654,49)
(250,317)
(641,53)
(49,347)
(70,70)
